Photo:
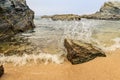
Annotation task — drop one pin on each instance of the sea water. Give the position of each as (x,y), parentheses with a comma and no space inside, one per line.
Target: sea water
(49,35)
(102,33)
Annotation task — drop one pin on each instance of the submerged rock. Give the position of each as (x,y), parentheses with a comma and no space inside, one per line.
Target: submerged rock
(17,45)
(80,52)
(109,11)
(1,70)
(15,17)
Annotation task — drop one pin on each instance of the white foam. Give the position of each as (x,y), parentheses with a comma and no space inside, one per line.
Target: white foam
(114,46)
(41,57)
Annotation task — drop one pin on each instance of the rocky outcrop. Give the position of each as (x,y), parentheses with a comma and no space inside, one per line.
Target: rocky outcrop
(1,70)
(80,52)
(15,17)
(109,11)
(63,17)
(46,16)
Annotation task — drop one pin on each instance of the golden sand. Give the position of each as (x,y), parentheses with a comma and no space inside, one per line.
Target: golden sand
(101,68)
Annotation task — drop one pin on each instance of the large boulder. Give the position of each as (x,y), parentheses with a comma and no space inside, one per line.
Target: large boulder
(15,17)
(109,11)
(1,70)
(80,52)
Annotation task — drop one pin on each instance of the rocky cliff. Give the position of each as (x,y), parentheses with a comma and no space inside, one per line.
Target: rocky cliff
(15,17)
(109,11)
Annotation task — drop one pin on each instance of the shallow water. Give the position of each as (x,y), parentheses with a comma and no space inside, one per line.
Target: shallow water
(48,38)
(51,34)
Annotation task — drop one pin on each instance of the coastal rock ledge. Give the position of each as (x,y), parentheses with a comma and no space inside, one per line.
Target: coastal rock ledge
(109,11)
(63,17)
(15,17)
(80,52)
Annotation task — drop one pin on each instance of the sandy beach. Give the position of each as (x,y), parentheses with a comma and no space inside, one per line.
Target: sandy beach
(36,36)
(101,68)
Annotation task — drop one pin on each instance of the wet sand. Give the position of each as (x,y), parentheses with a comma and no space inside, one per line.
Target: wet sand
(101,68)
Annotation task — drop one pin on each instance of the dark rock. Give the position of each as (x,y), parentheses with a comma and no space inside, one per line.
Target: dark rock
(80,52)
(15,17)
(1,70)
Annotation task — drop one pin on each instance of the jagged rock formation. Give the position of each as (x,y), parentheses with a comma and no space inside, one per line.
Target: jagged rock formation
(80,52)
(15,17)
(109,11)
(63,17)
(1,70)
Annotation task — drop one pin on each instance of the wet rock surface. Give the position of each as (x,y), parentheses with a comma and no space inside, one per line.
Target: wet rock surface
(17,45)
(15,17)
(80,52)
(1,70)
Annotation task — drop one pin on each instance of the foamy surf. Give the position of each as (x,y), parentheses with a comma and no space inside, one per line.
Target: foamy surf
(49,36)
(113,47)
(36,58)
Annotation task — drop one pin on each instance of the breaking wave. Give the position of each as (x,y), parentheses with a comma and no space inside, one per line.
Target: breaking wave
(36,58)
(49,36)
(113,47)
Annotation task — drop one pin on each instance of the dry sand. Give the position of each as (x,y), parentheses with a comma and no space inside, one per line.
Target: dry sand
(102,68)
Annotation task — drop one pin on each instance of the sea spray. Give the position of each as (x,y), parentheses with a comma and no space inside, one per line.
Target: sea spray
(80,30)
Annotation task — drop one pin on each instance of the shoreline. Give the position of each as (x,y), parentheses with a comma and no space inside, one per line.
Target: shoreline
(98,69)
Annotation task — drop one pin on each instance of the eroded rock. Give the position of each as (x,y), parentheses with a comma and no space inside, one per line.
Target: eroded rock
(15,17)
(80,52)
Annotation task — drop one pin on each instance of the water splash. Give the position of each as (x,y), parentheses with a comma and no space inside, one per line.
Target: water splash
(96,32)
(81,30)
(49,37)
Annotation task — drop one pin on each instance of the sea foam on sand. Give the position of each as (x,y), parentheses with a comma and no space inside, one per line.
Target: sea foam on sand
(41,57)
